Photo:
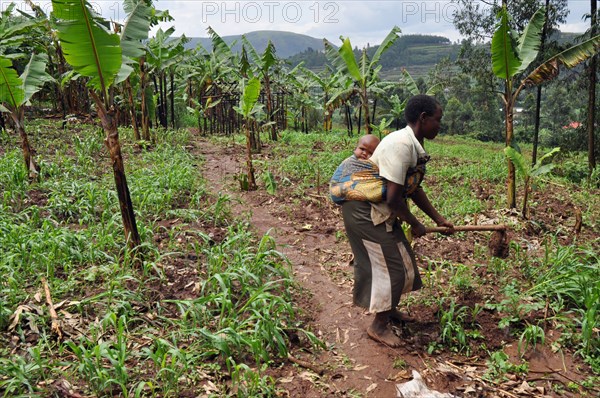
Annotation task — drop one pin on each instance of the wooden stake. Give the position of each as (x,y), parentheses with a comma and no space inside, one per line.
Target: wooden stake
(307,365)
(459,228)
(55,322)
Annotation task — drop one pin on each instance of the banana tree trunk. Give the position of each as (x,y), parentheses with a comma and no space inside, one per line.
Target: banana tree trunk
(269,103)
(28,153)
(538,98)
(109,124)
(359,122)
(525,197)
(172,97)
(134,123)
(592,93)
(365,101)
(144,105)
(349,120)
(511,194)
(250,168)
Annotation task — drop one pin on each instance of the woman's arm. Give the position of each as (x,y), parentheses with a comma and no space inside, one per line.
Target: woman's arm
(422,201)
(395,200)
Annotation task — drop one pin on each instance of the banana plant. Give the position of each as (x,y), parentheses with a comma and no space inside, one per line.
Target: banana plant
(410,84)
(302,101)
(382,128)
(328,82)
(133,34)
(14,31)
(529,173)
(365,72)
(209,73)
(512,55)
(397,106)
(247,108)
(15,93)
(265,63)
(95,53)
(396,112)
(164,55)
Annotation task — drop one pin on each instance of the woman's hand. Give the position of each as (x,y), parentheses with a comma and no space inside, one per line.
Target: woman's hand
(442,222)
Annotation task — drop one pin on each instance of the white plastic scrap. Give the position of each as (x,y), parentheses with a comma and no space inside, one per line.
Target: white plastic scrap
(416,388)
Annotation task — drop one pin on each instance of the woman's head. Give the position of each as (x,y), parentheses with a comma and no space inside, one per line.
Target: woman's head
(424,114)
(419,104)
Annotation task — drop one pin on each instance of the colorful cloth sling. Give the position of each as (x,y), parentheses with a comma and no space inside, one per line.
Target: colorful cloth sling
(357,179)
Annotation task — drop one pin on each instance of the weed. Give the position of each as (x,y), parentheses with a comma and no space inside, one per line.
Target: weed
(452,326)
(270,182)
(531,336)
(400,363)
(499,366)
(571,278)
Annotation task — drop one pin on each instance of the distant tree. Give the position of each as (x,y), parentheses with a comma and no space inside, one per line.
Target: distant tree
(457,116)
(476,21)
(593,70)
(364,72)
(512,55)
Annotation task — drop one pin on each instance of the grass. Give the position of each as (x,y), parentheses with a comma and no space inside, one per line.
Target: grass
(125,332)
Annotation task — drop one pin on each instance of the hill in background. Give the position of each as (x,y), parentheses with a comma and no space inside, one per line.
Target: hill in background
(286,43)
(415,53)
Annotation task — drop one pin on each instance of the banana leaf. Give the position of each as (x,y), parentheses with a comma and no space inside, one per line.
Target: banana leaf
(530,40)
(518,160)
(505,62)
(250,96)
(347,55)
(34,75)
(569,58)
(268,57)
(408,82)
(88,46)
(135,29)
(219,46)
(385,44)
(11,85)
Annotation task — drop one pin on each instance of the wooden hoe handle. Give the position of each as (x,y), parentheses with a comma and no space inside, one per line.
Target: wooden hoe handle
(459,228)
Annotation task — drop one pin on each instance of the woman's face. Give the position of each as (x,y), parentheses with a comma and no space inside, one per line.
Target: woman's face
(430,125)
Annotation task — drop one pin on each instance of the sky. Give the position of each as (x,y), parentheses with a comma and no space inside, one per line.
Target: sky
(364,22)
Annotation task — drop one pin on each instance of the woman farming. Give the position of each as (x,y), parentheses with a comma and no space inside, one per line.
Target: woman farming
(384,264)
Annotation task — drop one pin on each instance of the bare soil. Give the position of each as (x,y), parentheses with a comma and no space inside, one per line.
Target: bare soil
(309,231)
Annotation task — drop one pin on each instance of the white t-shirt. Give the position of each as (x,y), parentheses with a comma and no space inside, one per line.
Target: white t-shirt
(396,153)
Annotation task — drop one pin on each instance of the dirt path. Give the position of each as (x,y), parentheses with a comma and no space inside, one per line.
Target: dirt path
(354,363)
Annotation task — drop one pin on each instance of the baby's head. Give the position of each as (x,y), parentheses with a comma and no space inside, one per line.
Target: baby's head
(366,146)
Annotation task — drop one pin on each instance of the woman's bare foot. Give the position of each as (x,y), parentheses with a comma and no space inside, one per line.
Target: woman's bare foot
(400,317)
(385,336)
(381,331)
